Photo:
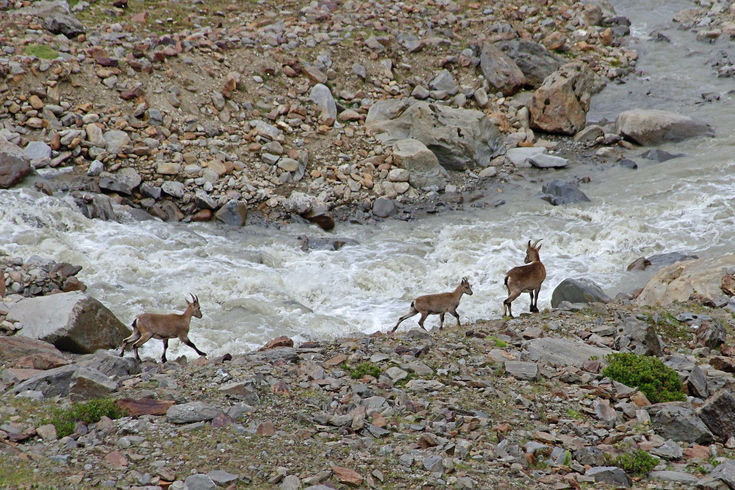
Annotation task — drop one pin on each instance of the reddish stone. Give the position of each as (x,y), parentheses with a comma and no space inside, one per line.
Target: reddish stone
(144,406)
(140,17)
(106,61)
(266,429)
(426,441)
(697,452)
(40,360)
(282,341)
(116,459)
(132,93)
(202,215)
(221,420)
(335,361)
(726,364)
(280,388)
(347,476)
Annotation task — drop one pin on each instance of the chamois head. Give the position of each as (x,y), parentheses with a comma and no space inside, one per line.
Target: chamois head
(465,285)
(532,252)
(194,305)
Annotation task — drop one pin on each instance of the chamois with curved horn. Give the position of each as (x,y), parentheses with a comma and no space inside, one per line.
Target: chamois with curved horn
(525,278)
(164,327)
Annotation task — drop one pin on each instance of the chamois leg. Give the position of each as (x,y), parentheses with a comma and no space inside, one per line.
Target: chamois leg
(424,314)
(129,340)
(141,340)
(456,315)
(165,346)
(191,344)
(534,308)
(407,315)
(441,320)
(531,306)
(508,301)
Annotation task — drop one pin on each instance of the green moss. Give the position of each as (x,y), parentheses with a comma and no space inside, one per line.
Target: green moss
(362,369)
(40,51)
(499,342)
(638,462)
(658,382)
(87,412)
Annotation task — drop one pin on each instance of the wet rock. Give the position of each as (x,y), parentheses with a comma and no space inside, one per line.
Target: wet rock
(561,103)
(548,161)
(533,59)
(660,155)
(578,291)
(500,70)
(521,156)
(557,192)
(680,281)
(187,413)
(234,213)
(612,475)
(384,207)
(125,180)
(95,206)
(73,322)
(653,127)
(460,138)
(307,243)
(718,414)
(628,163)
(14,166)
(562,352)
(679,422)
(421,163)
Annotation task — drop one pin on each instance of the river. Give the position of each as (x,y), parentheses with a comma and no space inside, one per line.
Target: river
(255,283)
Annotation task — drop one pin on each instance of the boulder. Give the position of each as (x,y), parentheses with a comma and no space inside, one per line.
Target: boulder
(73,322)
(578,291)
(533,59)
(563,352)
(561,103)
(187,413)
(678,282)
(422,164)
(123,181)
(639,337)
(678,421)
(557,192)
(660,156)
(22,351)
(612,475)
(718,414)
(444,81)
(61,23)
(653,127)
(95,206)
(460,138)
(500,70)
(14,166)
(234,213)
(116,140)
(725,472)
(543,161)
(322,97)
(52,382)
(522,156)
(88,383)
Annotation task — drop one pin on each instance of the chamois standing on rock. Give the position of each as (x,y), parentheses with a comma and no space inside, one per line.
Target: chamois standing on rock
(437,304)
(525,278)
(164,327)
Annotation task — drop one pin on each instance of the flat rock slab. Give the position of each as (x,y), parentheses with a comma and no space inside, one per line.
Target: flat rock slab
(548,161)
(144,406)
(521,370)
(187,413)
(563,352)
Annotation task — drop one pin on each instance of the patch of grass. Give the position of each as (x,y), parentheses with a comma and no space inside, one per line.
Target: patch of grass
(658,382)
(499,342)
(40,51)
(404,381)
(88,412)
(639,462)
(16,474)
(574,414)
(362,369)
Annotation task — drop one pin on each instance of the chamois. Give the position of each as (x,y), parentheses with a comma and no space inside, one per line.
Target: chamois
(437,304)
(525,278)
(164,327)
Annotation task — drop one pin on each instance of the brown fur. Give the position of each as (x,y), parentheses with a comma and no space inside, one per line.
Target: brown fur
(437,304)
(525,278)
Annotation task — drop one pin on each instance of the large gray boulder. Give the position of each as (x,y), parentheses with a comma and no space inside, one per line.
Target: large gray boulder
(14,165)
(533,59)
(423,166)
(500,70)
(652,127)
(73,322)
(578,291)
(558,192)
(123,181)
(678,421)
(680,281)
(563,352)
(460,138)
(718,414)
(561,103)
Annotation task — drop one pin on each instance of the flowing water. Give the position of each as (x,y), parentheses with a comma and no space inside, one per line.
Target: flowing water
(256,283)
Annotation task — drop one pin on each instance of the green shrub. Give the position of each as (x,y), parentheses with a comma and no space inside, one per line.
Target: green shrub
(639,462)
(658,382)
(88,412)
(362,369)
(40,51)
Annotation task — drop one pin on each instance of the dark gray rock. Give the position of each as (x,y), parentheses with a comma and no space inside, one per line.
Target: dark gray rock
(660,155)
(578,291)
(611,475)
(558,192)
(52,382)
(638,337)
(668,450)
(61,23)
(718,414)
(725,472)
(73,322)
(660,260)
(562,352)
(307,243)
(14,166)
(711,334)
(234,213)
(89,383)
(697,383)
(679,422)
(589,455)
(384,207)
(95,206)
(199,481)
(521,370)
(533,59)
(124,181)
(628,163)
